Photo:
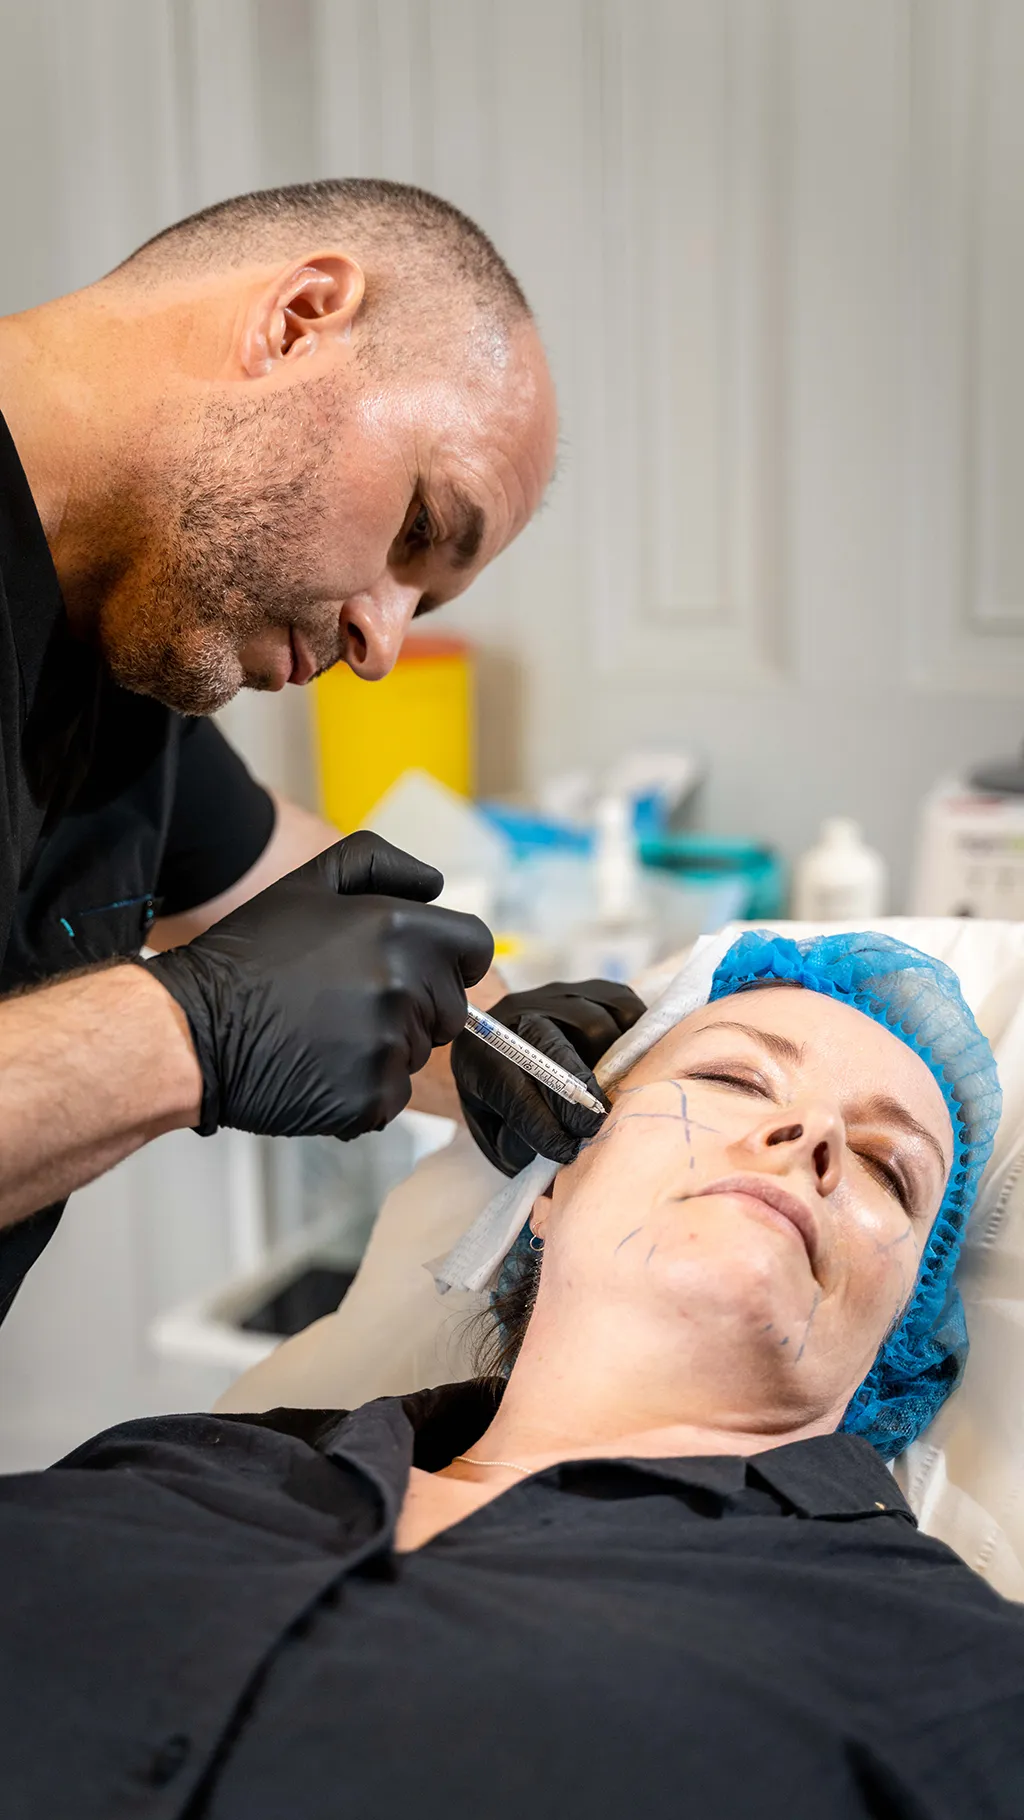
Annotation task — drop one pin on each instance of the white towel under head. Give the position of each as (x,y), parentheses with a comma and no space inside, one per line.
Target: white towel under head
(475,1260)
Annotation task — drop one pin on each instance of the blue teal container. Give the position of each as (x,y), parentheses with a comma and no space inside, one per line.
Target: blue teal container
(705,858)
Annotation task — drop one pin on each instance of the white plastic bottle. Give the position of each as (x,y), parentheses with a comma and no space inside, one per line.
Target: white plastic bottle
(841,880)
(620,941)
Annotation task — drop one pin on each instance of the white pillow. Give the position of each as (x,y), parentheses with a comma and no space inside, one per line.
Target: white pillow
(393,1332)
(964,1478)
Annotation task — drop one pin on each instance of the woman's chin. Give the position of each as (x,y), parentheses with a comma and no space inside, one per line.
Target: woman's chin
(758,1286)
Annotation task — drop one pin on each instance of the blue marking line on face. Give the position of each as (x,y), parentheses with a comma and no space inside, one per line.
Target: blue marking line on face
(614,1123)
(807,1329)
(891,1244)
(681,1117)
(629,1235)
(784,1342)
(683,1114)
(588,1143)
(650,1254)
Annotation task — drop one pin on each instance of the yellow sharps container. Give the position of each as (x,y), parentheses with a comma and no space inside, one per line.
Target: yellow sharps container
(419,717)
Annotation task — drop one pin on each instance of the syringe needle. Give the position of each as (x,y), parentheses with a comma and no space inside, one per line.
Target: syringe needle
(532,1061)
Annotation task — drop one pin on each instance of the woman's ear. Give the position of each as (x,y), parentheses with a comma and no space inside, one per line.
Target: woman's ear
(309,305)
(540,1211)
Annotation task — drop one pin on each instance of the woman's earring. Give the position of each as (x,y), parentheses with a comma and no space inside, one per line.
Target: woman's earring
(536,1243)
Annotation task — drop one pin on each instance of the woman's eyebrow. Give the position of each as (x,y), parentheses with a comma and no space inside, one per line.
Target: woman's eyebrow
(890,1112)
(779,1046)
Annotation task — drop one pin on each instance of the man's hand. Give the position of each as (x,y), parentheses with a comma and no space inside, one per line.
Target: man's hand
(511,1116)
(311,1005)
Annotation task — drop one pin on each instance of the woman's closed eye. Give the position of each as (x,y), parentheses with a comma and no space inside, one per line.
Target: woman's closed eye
(889,1174)
(726,1077)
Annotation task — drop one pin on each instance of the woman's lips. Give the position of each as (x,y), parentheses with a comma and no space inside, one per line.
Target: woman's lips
(777,1200)
(303,662)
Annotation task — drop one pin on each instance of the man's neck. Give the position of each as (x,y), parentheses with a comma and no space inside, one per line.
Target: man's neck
(35,403)
(63,444)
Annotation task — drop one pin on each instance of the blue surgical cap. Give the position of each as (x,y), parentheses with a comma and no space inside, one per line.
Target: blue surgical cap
(920,1001)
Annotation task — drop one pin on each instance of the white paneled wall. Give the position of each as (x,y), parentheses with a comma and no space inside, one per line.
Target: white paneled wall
(775,248)
(682,395)
(967,375)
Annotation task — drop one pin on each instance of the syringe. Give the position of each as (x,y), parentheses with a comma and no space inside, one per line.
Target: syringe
(532,1061)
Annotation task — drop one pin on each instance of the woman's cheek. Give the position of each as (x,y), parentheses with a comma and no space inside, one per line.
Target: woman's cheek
(659,1140)
(880,1262)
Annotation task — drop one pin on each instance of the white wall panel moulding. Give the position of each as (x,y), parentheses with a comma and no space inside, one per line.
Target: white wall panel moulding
(684,489)
(965,572)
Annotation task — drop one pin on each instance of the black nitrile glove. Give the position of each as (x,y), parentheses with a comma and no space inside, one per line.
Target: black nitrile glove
(311,1005)
(512,1117)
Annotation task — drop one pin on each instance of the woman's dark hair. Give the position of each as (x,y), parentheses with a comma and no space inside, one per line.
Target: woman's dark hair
(503,1324)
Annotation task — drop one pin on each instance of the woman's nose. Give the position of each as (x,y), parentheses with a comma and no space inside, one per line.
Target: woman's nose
(374,625)
(808,1136)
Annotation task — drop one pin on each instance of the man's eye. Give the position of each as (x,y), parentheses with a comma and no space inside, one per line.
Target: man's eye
(420,534)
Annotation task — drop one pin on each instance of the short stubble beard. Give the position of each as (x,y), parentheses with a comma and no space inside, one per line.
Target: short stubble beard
(229,549)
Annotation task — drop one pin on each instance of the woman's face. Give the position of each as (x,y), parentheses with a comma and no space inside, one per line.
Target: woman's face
(752,1214)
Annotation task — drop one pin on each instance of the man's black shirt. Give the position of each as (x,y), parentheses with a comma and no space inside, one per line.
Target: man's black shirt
(112,808)
(205,1616)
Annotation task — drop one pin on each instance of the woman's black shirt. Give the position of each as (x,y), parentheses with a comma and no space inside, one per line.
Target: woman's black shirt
(204,1617)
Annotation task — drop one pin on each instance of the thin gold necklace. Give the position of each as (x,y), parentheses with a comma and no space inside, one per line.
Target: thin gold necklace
(511,1464)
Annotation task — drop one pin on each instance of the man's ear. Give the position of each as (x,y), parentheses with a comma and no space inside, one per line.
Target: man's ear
(310,303)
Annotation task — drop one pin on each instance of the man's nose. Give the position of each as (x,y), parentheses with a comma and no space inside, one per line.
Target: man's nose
(809,1136)
(374,625)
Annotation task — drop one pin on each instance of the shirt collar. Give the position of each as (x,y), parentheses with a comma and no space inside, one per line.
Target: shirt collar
(30,580)
(60,676)
(837,1476)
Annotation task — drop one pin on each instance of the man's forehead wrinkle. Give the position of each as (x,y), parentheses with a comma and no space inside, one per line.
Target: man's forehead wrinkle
(499,483)
(469,525)
(469,529)
(522,426)
(484,467)
(520,472)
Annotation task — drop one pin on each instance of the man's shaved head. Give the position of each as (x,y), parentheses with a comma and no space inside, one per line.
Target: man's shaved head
(326,408)
(395,228)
